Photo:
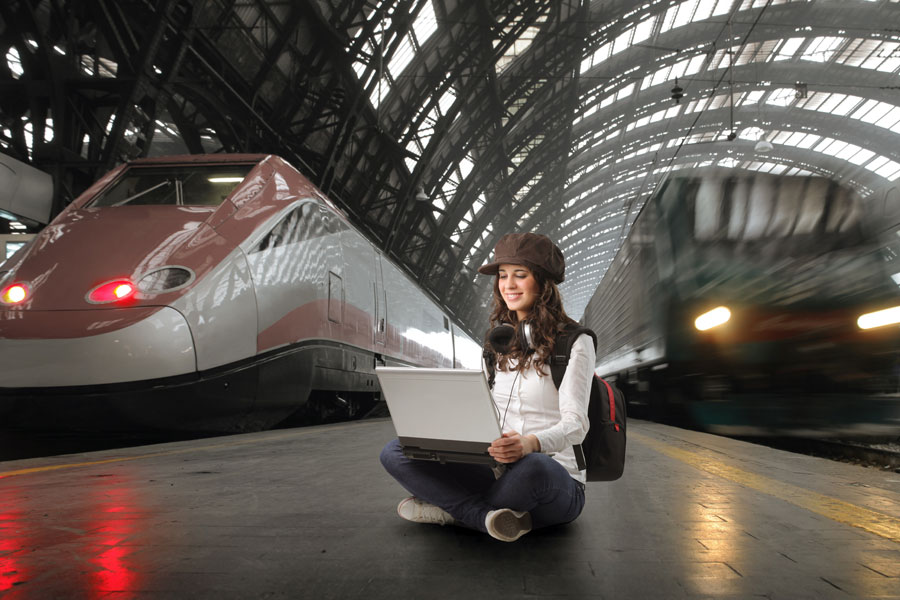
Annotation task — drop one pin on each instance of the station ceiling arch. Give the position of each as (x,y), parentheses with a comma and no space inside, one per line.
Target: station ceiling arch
(439,125)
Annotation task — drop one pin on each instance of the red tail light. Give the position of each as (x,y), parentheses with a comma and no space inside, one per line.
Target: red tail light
(15,293)
(111,291)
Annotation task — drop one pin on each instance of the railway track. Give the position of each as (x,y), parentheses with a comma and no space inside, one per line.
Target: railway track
(881,454)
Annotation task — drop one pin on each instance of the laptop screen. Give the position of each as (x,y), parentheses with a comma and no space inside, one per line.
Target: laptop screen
(442,404)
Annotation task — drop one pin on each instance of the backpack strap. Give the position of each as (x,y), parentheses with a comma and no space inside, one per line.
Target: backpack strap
(562,349)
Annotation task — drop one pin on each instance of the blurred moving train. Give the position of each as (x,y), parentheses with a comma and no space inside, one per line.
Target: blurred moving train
(206,293)
(748,303)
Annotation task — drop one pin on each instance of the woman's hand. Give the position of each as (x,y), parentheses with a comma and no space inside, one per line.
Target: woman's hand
(513,446)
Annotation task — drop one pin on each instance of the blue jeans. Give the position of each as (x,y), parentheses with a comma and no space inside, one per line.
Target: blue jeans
(535,483)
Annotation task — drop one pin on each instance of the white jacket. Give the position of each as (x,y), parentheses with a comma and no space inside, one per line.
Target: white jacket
(531,404)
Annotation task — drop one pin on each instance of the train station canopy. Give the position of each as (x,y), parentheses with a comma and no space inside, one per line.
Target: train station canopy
(439,125)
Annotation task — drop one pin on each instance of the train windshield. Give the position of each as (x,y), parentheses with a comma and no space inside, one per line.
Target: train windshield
(188,185)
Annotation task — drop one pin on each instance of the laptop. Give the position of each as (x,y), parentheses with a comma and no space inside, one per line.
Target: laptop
(445,415)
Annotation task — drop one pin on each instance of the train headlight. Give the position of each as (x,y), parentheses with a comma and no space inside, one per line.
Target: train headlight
(16,293)
(880,318)
(165,279)
(712,318)
(117,290)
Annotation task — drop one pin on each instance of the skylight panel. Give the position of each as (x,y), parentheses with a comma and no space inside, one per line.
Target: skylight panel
(402,56)
(643,30)
(723,7)
(520,45)
(685,12)
(890,170)
(747,54)
(780,137)
(425,24)
(361,66)
(382,87)
(789,48)
(447,100)
(465,166)
(821,49)
(830,103)
(891,64)
(846,106)
(857,51)
(891,118)
(873,60)
(622,42)
(669,19)
(856,155)
(704,9)
(14,62)
(751,98)
(807,141)
(829,146)
(694,65)
(601,54)
(478,204)
(871,111)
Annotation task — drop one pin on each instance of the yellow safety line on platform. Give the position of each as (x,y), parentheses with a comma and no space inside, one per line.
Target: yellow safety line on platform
(233,443)
(878,523)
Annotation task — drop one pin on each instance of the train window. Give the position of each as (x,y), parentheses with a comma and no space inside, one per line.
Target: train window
(307,221)
(188,185)
(282,233)
(332,223)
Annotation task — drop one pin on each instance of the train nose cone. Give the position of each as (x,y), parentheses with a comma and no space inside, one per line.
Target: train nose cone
(88,247)
(91,347)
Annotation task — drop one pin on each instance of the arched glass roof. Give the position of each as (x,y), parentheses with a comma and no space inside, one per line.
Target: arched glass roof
(439,125)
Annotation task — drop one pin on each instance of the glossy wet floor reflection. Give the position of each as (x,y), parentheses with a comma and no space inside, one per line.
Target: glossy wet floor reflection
(308,513)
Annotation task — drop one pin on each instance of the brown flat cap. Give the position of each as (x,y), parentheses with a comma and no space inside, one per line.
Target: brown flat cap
(533,250)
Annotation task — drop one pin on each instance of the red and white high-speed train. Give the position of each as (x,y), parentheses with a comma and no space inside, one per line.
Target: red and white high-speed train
(204,293)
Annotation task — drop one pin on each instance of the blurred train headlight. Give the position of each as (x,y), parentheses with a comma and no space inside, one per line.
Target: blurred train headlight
(165,279)
(713,318)
(880,318)
(15,293)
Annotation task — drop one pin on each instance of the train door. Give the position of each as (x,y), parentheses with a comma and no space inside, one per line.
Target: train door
(293,268)
(380,306)
(333,256)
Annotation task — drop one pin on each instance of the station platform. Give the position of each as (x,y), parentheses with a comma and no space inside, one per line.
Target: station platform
(309,513)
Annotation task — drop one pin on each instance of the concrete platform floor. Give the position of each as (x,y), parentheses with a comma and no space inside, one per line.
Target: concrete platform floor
(309,513)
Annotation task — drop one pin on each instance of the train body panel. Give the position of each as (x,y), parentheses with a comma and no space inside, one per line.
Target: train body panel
(796,263)
(221,312)
(251,293)
(154,345)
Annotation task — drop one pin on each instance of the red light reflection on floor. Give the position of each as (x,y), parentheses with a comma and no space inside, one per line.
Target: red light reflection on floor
(86,542)
(116,575)
(118,522)
(13,533)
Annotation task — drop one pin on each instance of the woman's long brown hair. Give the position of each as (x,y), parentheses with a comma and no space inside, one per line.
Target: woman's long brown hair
(547,317)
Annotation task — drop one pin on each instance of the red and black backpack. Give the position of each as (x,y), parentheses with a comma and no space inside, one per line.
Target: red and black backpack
(602,453)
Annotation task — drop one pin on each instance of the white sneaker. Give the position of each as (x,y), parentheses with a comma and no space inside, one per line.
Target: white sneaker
(419,511)
(507,525)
